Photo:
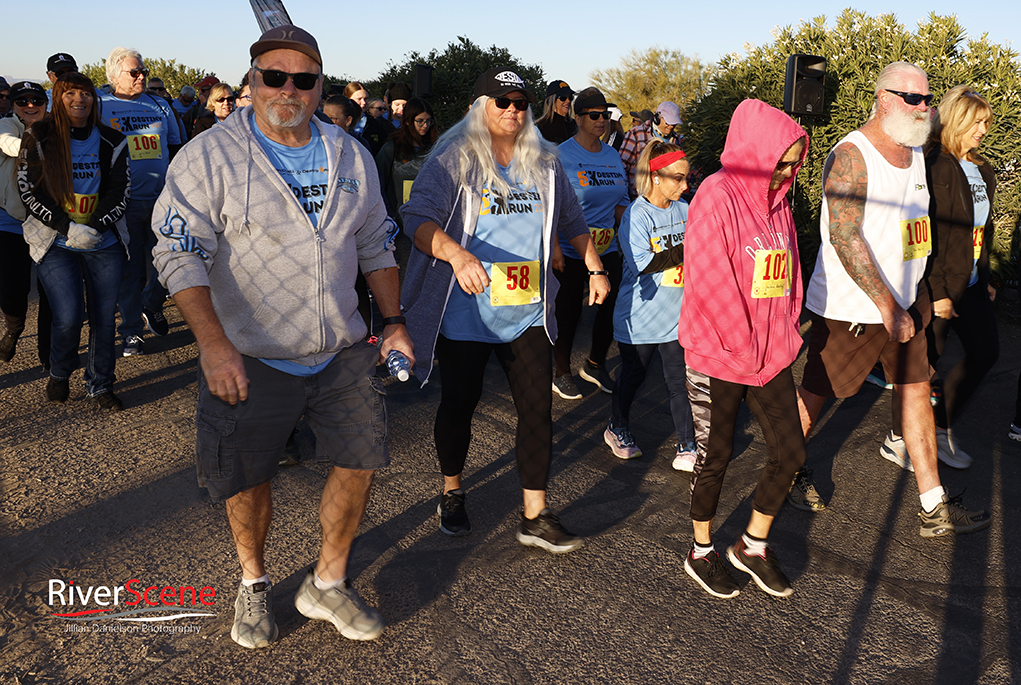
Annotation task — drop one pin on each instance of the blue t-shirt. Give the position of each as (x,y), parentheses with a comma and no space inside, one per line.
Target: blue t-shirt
(304,169)
(85,178)
(600,182)
(150,128)
(649,305)
(508,242)
(980,199)
(8,224)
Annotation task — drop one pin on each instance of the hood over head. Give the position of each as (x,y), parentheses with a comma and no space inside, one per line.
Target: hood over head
(757,139)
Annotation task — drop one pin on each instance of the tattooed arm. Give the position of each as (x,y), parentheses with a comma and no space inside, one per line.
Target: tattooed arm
(845,183)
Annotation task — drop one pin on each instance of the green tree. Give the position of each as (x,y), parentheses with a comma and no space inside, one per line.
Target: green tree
(645,79)
(857,48)
(455,72)
(175,75)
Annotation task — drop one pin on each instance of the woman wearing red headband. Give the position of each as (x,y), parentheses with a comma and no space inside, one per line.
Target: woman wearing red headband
(649,304)
(739,328)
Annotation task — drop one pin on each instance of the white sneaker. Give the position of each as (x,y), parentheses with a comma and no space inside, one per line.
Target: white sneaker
(895,450)
(949,453)
(1015,433)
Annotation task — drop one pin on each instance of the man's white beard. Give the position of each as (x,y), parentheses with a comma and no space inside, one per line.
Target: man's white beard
(285,111)
(910,129)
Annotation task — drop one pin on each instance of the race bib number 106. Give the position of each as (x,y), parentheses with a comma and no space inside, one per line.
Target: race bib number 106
(144,146)
(514,283)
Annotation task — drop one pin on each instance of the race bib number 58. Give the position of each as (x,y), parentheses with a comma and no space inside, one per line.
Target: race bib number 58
(916,238)
(772,277)
(514,283)
(145,146)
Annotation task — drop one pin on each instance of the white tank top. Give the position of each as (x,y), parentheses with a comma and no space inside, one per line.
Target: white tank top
(896,229)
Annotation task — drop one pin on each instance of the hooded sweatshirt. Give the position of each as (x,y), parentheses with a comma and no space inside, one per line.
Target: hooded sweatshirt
(735,326)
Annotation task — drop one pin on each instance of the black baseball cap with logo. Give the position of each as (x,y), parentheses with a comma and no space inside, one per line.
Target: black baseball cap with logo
(560,89)
(59,61)
(23,88)
(500,81)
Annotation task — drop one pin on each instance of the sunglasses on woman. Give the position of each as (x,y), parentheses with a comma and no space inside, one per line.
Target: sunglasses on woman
(911,98)
(595,116)
(520,104)
(276,79)
(25,102)
(226,99)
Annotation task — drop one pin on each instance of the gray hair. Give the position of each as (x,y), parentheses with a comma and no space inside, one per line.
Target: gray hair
(470,137)
(891,76)
(113,62)
(187,91)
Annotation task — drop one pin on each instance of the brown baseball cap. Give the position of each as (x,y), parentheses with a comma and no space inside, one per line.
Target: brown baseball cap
(287,37)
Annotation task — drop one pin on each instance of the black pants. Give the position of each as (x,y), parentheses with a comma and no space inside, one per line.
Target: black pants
(526,361)
(775,406)
(15,285)
(975,326)
(635,362)
(569,305)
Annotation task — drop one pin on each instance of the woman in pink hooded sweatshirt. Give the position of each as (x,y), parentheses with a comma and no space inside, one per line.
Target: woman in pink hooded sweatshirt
(739,329)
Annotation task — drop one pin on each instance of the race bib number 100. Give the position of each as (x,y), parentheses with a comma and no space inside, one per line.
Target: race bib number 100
(916,238)
(977,236)
(602,237)
(145,146)
(772,277)
(673,277)
(514,283)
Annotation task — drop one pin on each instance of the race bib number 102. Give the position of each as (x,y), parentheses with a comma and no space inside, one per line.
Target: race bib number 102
(772,275)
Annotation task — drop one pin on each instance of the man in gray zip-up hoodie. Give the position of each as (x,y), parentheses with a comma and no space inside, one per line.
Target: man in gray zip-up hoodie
(263,225)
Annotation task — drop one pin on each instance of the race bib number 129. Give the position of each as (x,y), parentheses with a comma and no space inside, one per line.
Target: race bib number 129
(514,283)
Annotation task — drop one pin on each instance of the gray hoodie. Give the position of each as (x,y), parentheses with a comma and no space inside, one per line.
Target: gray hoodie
(281,288)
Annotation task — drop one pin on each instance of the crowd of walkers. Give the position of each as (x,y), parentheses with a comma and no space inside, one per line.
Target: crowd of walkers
(270,213)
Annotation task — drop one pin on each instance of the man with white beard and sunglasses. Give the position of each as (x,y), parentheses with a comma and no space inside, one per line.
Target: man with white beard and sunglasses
(263,225)
(867,298)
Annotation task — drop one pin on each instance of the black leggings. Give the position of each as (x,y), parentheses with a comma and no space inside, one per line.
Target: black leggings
(526,361)
(569,305)
(775,406)
(15,285)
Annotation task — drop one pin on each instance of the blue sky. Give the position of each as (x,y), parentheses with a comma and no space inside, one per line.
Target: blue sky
(568,39)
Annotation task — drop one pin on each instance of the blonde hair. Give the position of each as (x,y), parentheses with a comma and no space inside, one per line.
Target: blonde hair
(958,111)
(219,90)
(643,177)
(470,138)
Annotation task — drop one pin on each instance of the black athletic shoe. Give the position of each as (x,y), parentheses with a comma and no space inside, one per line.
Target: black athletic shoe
(57,390)
(764,570)
(453,516)
(546,531)
(107,401)
(712,575)
(7,346)
(157,323)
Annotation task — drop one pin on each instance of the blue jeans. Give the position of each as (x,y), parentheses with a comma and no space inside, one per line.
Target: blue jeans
(635,361)
(139,285)
(64,273)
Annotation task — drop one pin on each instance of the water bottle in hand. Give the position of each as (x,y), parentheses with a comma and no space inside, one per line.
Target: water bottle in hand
(398,365)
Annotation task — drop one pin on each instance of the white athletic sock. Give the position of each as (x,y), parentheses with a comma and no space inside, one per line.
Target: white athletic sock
(753,547)
(932,498)
(702,551)
(249,583)
(327,585)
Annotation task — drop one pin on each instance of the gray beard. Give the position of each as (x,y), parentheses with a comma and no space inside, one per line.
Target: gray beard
(907,128)
(278,116)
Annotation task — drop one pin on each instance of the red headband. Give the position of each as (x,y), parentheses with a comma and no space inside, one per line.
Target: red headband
(665,160)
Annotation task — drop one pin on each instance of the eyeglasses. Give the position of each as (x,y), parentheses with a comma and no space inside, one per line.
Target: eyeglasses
(424,122)
(25,102)
(231,100)
(595,116)
(377,108)
(912,99)
(520,104)
(135,73)
(66,70)
(245,97)
(276,79)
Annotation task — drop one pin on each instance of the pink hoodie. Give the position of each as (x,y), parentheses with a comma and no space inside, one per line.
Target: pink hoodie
(725,332)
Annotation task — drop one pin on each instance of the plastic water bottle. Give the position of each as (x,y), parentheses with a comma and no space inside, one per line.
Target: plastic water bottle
(398,365)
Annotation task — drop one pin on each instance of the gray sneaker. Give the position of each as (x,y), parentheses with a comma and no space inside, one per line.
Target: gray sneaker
(597,375)
(341,606)
(950,517)
(803,494)
(565,387)
(254,626)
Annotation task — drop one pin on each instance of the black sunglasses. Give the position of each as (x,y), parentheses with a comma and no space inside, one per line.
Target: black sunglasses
(5,96)
(25,102)
(276,79)
(226,99)
(135,73)
(911,98)
(595,116)
(520,104)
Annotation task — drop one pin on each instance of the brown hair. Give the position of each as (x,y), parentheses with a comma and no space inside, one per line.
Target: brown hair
(406,138)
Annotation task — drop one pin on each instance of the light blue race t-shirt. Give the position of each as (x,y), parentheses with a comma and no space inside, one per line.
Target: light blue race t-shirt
(600,182)
(508,242)
(649,305)
(8,224)
(305,171)
(150,127)
(85,179)
(980,199)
